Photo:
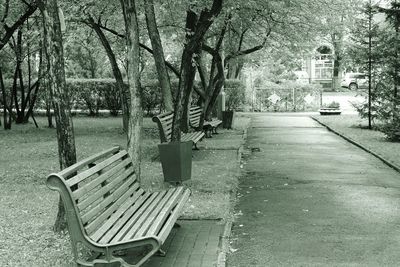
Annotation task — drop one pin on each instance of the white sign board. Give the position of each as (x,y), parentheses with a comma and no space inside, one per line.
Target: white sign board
(274,98)
(308,99)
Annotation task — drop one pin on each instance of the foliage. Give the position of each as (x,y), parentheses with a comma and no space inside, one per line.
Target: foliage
(94,94)
(151,97)
(85,56)
(235,94)
(332,104)
(377,44)
(392,129)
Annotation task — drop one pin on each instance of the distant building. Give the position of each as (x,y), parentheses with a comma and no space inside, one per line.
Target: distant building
(319,66)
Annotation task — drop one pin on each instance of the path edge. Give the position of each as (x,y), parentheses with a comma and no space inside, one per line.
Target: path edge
(352,141)
(224,248)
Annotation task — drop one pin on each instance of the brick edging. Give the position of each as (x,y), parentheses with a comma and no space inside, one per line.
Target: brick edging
(352,141)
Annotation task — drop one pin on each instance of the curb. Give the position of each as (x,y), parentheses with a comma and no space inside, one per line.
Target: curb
(221,261)
(350,140)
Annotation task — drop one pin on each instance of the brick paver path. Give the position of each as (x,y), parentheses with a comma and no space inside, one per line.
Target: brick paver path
(194,244)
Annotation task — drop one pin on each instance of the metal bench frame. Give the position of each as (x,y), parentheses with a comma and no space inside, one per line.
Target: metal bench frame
(107,211)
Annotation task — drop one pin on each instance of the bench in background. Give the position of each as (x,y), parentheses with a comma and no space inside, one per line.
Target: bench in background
(108,211)
(164,122)
(209,127)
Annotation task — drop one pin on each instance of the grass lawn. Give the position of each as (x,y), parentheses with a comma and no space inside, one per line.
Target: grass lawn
(355,128)
(28,208)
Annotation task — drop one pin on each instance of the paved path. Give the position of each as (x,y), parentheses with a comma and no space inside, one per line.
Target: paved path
(194,244)
(309,198)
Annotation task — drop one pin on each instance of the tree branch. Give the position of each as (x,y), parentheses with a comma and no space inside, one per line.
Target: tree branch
(148,49)
(245,52)
(10,30)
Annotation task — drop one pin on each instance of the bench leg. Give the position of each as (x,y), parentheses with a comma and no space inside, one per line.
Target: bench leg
(209,133)
(177,225)
(215,130)
(195,147)
(161,253)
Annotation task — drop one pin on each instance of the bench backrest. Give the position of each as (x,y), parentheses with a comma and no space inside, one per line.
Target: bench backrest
(164,122)
(194,116)
(94,188)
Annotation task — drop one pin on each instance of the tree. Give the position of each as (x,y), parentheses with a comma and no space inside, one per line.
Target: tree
(393,17)
(30,8)
(53,47)
(365,50)
(196,28)
(133,63)
(96,15)
(21,34)
(158,54)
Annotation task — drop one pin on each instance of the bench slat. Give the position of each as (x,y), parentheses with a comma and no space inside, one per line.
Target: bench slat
(163,234)
(153,208)
(98,167)
(121,193)
(159,219)
(117,227)
(103,177)
(73,168)
(97,232)
(104,189)
(154,198)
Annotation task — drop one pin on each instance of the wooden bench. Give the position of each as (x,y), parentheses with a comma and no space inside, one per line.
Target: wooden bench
(209,127)
(108,212)
(164,122)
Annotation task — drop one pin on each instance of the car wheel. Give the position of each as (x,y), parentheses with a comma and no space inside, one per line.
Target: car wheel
(353,86)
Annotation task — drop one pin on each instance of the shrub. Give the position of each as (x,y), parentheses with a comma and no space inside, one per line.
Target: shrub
(332,104)
(392,129)
(235,94)
(151,96)
(94,94)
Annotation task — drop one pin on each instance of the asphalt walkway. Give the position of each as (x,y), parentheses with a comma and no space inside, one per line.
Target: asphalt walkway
(309,198)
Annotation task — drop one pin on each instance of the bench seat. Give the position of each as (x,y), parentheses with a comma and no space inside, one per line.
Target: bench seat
(108,211)
(164,123)
(209,127)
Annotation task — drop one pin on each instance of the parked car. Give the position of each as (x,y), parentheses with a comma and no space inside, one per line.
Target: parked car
(354,81)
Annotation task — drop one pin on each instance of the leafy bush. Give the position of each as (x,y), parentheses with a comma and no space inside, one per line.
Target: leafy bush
(392,129)
(151,96)
(235,94)
(333,104)
(94,94)
(385,114)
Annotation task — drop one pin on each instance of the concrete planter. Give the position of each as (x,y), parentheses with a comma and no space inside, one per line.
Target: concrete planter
(176,161)
(329,111)
(227,119)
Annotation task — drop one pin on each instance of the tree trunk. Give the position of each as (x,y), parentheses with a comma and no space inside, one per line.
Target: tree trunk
(116,71)
(188,80)
(133,71)
(6,117)
(158,55)
(53,47)
(337,62)
(48,103)
(196,27)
